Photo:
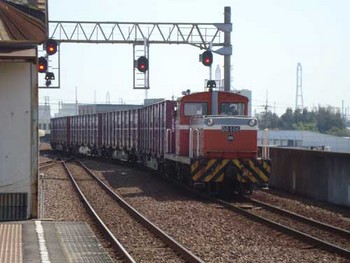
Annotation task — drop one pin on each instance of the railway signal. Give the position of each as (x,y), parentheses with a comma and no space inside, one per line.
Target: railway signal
(207,58)
(42,65)
(51,47)
(142,64)
(49,76)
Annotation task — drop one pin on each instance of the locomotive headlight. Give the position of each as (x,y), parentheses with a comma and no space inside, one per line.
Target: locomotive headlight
(253,122)
(209,122)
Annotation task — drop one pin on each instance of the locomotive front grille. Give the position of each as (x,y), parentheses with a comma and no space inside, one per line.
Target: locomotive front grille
(257,171)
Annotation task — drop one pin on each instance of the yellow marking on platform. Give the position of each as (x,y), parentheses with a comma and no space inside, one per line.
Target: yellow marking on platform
(11,243)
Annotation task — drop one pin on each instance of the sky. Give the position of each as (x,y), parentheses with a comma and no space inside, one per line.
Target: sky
(269,39)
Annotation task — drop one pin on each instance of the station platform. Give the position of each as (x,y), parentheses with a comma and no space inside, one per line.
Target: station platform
(36,241)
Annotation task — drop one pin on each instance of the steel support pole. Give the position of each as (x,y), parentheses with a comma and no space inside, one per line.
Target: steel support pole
(227,58)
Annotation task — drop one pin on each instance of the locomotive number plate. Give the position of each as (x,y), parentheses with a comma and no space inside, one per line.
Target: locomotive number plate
(230,128)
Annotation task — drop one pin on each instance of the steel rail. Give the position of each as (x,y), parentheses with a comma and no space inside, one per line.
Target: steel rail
(290,231)
(48,163)
(304,219)
(305,237)
(172,243)
(114,241)
(21,25)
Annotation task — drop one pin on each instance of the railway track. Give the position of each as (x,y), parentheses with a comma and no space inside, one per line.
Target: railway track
(316,233)
(19,25)
(139,239)
(49,163)
(313,232)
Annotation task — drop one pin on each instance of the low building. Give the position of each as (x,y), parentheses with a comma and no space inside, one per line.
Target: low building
(67,109)
(44,118)
(305,139)
(100,108)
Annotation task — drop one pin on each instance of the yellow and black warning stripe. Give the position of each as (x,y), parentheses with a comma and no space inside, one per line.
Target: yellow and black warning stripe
(213,170)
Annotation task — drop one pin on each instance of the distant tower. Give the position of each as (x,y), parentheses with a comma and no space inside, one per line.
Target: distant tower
(299,105)
(108,98)
(218,77)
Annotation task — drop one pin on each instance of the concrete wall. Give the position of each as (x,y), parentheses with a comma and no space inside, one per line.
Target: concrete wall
(18,130)
(320,175)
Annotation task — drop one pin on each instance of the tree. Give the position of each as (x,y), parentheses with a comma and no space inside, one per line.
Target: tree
(326,120)
(268,120)
(323,119)
(287,120)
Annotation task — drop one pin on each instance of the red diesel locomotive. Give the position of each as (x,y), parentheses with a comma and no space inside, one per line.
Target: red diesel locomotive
(204,139)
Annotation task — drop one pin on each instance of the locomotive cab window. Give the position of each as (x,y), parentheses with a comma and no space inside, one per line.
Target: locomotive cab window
(195,108)
(232,108)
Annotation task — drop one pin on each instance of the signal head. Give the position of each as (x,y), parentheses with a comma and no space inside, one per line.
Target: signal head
(42,65)
(142,64)
(207,58)
(51,46)
(49,76)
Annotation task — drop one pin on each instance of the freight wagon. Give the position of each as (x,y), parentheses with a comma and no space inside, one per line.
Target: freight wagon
(203,139)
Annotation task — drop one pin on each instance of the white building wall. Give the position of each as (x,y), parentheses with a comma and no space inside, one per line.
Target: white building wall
(18,144)
(44,118)
(307,140)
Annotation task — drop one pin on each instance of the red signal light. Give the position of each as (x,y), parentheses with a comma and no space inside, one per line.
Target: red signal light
(42,65)
(142,64)
(207,58)
(51,47)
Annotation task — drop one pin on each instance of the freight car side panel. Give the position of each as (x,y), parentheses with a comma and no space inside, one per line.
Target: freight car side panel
(134,129)
(143,139)
(60,130)
(99,130)
(73,131)
(92,130)
(169,120)
(106,126)
(117,128)
(154,120)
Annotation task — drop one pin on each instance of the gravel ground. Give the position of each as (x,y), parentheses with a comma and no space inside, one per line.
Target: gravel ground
(215,234)
(333,215)
(141,243)
(62,202)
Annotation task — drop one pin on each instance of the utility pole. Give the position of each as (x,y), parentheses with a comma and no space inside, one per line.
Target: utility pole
(228,46)
(299,93)
(76,100)
(266,106)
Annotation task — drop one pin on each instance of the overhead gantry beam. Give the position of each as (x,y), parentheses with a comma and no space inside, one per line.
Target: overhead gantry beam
(199,35)
(215,36)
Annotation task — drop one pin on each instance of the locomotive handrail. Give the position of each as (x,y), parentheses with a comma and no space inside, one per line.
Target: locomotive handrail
(168,148)
(191,142)
(265,146)
(197,150)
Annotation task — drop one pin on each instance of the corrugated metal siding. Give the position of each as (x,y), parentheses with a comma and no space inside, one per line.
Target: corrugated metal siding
(13,206)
